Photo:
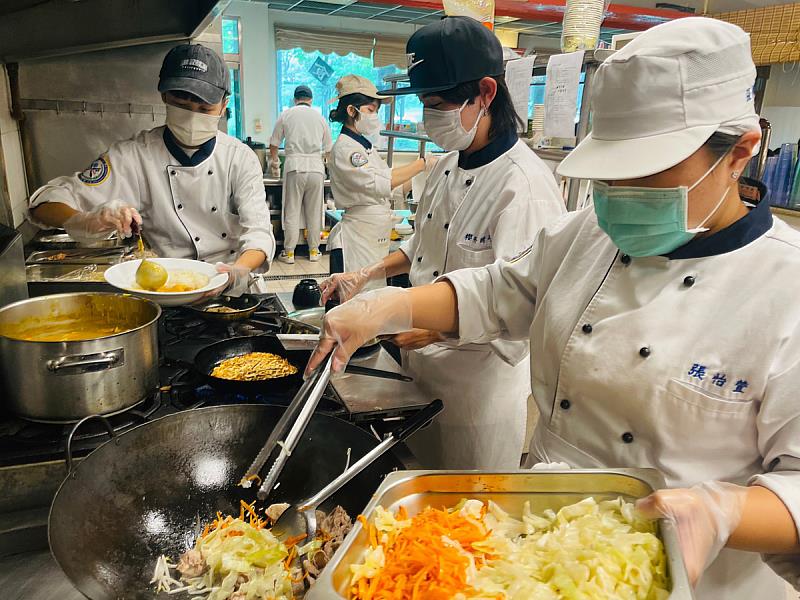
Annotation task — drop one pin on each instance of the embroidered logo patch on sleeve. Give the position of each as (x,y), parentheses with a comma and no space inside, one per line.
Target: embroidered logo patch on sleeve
(97,172)
(358,159)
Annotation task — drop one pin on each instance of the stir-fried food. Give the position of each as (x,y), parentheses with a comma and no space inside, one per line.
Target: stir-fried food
(220,309)
(587,550)
(254,366)
(240,558)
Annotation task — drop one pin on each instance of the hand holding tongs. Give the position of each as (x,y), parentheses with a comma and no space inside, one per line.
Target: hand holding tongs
(290,428)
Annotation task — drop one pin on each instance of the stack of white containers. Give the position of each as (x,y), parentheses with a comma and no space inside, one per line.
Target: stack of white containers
(581,29)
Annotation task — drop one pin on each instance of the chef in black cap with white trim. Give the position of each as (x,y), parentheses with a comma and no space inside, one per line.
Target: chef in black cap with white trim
(484,201)
(198,191)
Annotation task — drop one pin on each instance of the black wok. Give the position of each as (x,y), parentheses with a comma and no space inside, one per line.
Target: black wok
(146,492)
(210,356)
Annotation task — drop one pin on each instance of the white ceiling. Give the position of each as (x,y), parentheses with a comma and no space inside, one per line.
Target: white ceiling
(714,6)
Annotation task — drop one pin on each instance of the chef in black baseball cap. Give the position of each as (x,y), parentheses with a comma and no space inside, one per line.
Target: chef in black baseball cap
(484,201)
(196,192)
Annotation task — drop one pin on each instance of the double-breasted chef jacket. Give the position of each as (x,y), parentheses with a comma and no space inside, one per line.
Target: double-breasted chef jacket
(688,363)
(209,206)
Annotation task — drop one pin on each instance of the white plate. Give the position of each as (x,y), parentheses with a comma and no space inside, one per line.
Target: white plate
(123,276)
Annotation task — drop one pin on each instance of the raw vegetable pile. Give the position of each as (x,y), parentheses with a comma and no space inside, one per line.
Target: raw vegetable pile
(237,559)
(585,551)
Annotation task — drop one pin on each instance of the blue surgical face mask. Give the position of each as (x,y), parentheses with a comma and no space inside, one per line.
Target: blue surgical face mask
(648,221)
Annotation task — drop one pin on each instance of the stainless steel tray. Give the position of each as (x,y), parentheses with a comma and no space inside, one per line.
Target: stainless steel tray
(78,256)
(510,490)
(61,240)
(60,272)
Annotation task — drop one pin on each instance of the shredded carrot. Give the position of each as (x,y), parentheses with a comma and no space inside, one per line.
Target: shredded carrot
(419,563)
(294,540)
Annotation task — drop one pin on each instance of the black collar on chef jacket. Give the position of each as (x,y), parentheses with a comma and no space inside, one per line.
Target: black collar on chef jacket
(494,149)
(202,153)
(357,137)
(736,235)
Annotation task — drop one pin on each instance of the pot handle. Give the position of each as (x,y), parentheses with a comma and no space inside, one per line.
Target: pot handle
(68,453)
(87,363)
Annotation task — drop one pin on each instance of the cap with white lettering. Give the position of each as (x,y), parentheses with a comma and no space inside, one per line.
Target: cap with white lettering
(197,70)
(450,52)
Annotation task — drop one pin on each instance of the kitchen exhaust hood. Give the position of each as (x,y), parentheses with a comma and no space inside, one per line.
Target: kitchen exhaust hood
(42,28)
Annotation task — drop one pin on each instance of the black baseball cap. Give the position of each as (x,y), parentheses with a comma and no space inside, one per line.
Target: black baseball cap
(195,69)
(302,91)
(450,52)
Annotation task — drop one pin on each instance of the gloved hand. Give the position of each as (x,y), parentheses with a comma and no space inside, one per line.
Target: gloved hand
(416,339)
(275,169)
(348,326)
(238,278)
(101,221)
(347,285)
(550,466)
(705,516)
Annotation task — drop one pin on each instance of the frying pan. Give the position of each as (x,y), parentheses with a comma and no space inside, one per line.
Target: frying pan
(210,356)
(244,307)
(148,491)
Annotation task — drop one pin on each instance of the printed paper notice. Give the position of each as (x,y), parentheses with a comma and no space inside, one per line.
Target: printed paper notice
(561,94)
(518,80)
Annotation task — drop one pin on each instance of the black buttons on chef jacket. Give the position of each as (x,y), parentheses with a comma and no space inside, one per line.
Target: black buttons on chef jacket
(644,352)
(587,328)
(180,206)
(626,260)
(196,239)
(173,172)
(436,273)
(627,437)
(224,235)
(688,281)
(419,259)
(210,172)
(233,252)
(468,182)
(430,215)
(213,209)
(565,404)
(447,225)
(446,173)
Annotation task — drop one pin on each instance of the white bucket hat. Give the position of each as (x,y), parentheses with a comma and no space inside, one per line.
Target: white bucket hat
(657,101)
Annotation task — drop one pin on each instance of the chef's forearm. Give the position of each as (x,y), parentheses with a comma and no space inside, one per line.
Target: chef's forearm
(402,174)
(396,263)
(53,213)
(273,153)
(766,525)
(251,259)
(435,307)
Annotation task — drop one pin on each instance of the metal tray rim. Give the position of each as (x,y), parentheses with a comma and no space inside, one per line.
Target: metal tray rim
(324,589)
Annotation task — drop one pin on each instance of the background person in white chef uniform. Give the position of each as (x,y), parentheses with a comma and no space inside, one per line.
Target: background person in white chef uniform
(485,200)
(307,135)
(199,192)
(664,323)
(361,181)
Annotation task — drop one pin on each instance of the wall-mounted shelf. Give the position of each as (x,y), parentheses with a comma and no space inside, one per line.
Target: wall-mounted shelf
(406,135)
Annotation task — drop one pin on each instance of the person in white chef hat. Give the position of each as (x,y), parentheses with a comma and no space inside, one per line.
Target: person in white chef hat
(663,322)
(199,191)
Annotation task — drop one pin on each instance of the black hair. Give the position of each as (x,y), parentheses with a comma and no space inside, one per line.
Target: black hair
(719,144)
(339,114)
(504,117)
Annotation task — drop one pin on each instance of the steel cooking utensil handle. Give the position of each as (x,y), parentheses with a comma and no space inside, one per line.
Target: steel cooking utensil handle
(377,373)
(414,424)
(320,379)
(68,453)
(87,363)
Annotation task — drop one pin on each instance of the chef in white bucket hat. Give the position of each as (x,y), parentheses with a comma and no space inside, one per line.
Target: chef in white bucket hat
(663,322)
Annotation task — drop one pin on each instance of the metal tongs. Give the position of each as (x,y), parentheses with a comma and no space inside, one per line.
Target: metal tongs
(290,428)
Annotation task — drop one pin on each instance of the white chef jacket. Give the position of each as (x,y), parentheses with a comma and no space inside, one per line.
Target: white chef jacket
(359,176)
(210,206)
(479,208)
(689,364)
(306,133)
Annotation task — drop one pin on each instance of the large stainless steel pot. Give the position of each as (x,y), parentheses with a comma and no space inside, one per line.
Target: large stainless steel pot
(64,381)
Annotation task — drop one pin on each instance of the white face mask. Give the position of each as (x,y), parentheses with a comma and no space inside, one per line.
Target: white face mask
(445,129)
(368,124)
(191,128)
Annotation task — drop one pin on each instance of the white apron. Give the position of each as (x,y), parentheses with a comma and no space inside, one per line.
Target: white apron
(365,235)
(491,407)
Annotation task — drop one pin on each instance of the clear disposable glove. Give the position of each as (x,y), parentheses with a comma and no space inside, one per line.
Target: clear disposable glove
(348,326)
(550,466)
(238,278)
(416,339)
(101,221)
(346,285)
(705,515)
(275,170)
